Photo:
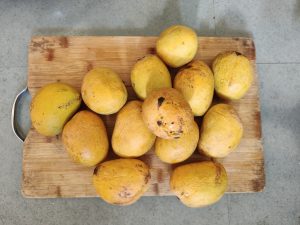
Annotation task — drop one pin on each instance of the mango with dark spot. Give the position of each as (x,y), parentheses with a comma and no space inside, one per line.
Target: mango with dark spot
(52,107)
(199,184)
(121,181)
(160,101)
(167,114)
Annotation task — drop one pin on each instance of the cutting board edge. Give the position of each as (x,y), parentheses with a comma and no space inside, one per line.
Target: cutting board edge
(258,102)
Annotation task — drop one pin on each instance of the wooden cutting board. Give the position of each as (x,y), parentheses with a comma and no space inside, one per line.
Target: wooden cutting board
(47,170)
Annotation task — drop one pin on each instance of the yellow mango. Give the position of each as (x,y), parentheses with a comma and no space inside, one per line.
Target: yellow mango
(52,106)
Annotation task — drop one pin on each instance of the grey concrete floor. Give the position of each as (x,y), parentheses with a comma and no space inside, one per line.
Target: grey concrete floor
(275,26)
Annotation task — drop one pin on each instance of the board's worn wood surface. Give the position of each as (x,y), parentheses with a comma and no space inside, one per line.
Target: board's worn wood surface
(47,169)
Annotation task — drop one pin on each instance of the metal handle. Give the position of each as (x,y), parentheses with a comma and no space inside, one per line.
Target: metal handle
(14,122)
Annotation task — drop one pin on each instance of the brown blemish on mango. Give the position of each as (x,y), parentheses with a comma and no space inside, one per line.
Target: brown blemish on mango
(69,103)
(122,181)
(160,101)
(169,104)
(125,193)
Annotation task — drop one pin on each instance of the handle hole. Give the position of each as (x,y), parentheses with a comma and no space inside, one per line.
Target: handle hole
(21,120)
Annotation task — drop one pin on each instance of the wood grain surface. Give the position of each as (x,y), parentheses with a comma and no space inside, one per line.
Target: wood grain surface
(47,170)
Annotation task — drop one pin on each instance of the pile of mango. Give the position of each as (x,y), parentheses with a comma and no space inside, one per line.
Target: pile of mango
(163,118)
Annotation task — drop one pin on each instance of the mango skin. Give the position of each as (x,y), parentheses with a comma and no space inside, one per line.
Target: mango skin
(233,75)
(177,150)
(52,106)
(103,91)
(196,83)
(131,137)
(221,131)
(121,181)
(199,184)
(167,114)
(177,45)
(85,139)
(148,74)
